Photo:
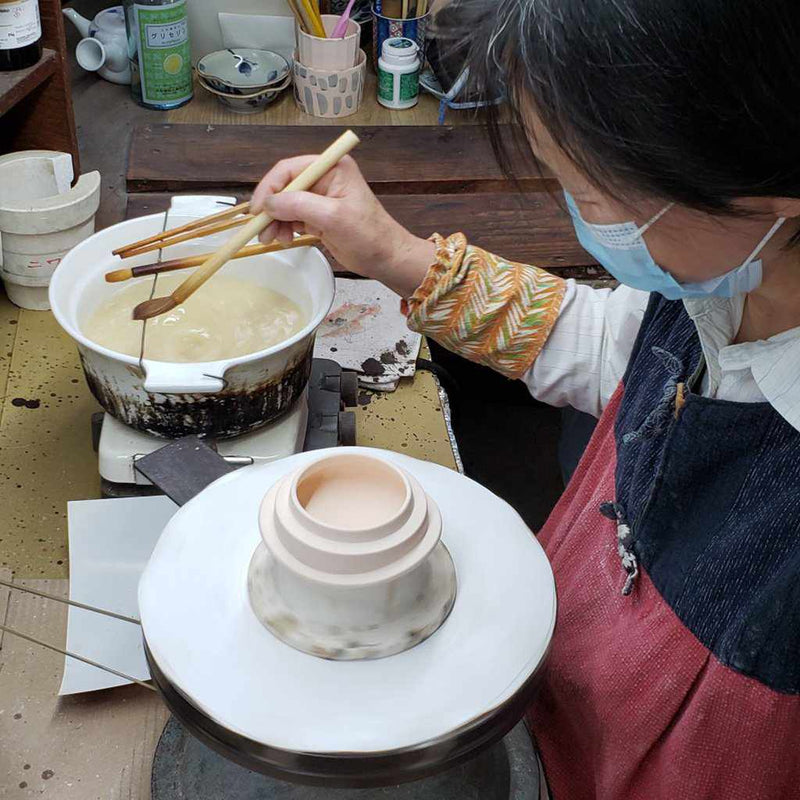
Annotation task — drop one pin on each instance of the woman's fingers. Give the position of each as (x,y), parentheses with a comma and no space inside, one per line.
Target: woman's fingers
(277,178)
(298,211)
(284,172)
(312,210)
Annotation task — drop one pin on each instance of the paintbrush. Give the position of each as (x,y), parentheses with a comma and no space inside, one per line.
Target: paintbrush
(303,182)
(156,268)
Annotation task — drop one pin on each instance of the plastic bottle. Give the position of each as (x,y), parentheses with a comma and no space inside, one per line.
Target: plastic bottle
(398,73)
(158,47)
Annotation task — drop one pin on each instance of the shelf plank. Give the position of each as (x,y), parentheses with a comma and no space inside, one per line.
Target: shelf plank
(14,86)
(395,160)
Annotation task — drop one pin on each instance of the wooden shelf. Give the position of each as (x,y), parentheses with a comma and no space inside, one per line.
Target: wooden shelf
(35,103)
(14,86)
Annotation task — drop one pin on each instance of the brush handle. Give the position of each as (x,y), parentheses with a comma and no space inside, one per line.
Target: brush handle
(119,275)
(196,233)
(303,182)
(341,26)
(198,223)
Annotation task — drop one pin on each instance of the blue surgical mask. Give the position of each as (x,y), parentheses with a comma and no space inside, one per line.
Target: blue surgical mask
(622,250)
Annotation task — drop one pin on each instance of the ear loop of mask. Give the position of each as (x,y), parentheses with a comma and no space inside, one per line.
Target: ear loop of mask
(649,224)
(639,233)
(622,235)
(763,243)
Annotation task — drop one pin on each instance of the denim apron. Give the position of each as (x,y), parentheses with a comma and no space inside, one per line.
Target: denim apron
(675,669)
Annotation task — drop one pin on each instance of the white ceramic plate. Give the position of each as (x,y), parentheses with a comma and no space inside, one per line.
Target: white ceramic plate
(243,68)
(205,638)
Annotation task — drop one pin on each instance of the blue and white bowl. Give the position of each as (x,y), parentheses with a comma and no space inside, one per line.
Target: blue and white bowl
(248,103)
(242,71)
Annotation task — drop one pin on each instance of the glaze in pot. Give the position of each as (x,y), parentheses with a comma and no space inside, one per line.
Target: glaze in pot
(218,399)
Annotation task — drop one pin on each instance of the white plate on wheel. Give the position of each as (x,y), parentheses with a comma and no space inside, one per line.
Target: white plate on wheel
(205,638)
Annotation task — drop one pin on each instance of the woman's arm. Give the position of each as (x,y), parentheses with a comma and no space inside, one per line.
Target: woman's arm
(588,349)
(568,342)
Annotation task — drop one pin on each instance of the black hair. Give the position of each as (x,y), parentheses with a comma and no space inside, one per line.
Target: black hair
(693,101)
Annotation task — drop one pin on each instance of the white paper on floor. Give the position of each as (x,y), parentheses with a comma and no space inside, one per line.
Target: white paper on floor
(110,541)
(366,331)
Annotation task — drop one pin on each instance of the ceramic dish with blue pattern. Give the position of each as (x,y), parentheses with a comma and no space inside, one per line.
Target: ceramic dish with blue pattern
(242,71)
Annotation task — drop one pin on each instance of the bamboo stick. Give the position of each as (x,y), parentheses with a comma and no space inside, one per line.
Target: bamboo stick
(303,182)
(125,274)
(198,223)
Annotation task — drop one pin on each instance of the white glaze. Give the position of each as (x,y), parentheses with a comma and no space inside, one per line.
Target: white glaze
(232,318)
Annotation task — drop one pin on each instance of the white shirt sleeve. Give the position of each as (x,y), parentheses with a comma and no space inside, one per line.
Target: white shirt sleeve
(586,353)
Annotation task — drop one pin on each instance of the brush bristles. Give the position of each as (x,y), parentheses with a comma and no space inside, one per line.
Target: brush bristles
(119,275)
(154,308)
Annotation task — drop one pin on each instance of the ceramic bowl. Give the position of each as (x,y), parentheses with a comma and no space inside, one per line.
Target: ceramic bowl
(329,93)
(248,103)
(241,71)
(351,565)
(331,54)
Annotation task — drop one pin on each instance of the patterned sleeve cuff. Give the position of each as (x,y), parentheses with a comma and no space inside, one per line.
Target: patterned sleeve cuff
(498,313)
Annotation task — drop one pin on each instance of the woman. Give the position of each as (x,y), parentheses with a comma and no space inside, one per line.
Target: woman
(673,127)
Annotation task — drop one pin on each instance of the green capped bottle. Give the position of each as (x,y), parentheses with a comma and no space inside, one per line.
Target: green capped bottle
(158,48)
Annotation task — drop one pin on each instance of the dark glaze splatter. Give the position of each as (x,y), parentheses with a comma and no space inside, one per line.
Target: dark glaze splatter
(230,412)
(21,402)
(372,367)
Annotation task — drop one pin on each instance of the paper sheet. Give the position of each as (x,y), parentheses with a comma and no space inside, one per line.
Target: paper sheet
(367,332)
(110,542)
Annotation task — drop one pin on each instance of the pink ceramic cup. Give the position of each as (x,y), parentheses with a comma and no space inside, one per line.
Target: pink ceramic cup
(329,54)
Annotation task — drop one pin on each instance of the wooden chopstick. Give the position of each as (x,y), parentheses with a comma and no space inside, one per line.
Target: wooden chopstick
(298,15)
(197,233)
(125,274)
(316,170)
(242,208)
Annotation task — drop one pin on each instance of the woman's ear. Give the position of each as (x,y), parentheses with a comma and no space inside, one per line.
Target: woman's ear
(788,207)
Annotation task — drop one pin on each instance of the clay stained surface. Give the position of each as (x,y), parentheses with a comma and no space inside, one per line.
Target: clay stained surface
(46,455)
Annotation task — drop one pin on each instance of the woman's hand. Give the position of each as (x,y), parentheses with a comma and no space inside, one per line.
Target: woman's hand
(346,215)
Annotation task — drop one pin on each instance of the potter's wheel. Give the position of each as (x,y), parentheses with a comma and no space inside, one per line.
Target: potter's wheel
(281,711)
(184,768)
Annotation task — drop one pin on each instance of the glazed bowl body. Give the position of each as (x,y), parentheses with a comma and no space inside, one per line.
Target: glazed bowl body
(247,103)
(369,578)
(242,71)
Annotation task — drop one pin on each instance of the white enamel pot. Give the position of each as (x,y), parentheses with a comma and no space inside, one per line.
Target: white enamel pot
(220,398)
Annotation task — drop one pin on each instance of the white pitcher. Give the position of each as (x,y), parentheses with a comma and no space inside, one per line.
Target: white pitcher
(104,48)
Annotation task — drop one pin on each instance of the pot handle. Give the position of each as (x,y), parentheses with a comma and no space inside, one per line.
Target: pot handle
(162,377)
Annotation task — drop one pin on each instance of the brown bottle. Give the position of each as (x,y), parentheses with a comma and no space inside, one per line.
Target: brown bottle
(20,34)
